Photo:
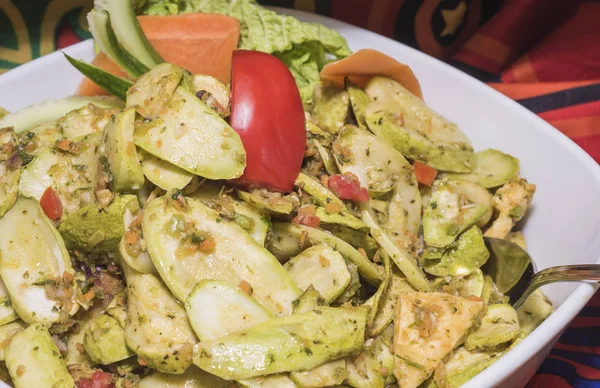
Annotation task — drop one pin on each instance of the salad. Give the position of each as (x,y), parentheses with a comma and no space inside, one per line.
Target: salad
(311,224)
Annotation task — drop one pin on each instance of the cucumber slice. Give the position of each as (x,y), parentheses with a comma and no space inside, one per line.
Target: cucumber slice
(452,209)
(163,174)
(204,145)
(33,254)
(235,257)
(154,90)
(52,110)
(128,31)
(492,169)
(366,268)
(403,121)
(321,267)
(116,86)
(33,360)
(121,152)
(216,309)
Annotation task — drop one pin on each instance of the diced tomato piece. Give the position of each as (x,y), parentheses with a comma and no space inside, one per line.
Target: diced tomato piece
(51,205)
(99,380)
(306,216)
(425,174)
(347,186)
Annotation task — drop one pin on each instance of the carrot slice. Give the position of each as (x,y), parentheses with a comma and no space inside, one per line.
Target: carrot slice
(88,87)
(203,43)
(367,63)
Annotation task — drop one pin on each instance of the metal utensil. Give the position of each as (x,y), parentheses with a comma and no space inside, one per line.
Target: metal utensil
(515,273)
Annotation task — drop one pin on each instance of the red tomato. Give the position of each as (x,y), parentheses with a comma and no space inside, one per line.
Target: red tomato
(347,186)
(425,174)
(267,113)
(50,203)
(99,380)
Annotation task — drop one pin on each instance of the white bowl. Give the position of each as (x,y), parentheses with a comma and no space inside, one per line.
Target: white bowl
(562,228)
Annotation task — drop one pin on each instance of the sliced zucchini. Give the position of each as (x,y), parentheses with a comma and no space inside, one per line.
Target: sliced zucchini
(268,201)
(128,30)
(10,169)
(373,366)
(213,92)
(233,257)
(153,91)
(534,311)
(94,230)
(72,176)
(499,325)
(193,377)
(75,352)
(271,381)
(157,328)
(326,157)
(7,331)
(52,110)
(330,108)
(37,138)
(121,153)
(84,121)
(512,201)
(116,86)
(450,211)
(460,259)
(385,313)
(427,327)
(284,243)
(465,286)
(33,257)
(217,309)
(323,268)
(134,252)
(326,375)
(308,235)
(403,121)
(332,210)
(359,239)
(7,313)
(308,301)
(104,341)
(359,100)
(373,301)
(492,169)
(193,137)
(33,360)
(293,343)
(163,174)
(464,364)
(403,260)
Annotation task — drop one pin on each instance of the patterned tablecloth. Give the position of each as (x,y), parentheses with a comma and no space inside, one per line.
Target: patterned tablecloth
(543,53)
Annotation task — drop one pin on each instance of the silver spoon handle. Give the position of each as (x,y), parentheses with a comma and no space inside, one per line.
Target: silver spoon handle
(563,273)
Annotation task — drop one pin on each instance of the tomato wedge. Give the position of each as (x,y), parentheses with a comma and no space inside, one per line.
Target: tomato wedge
(348,186)
(425,174)
(51,205)
(267,113)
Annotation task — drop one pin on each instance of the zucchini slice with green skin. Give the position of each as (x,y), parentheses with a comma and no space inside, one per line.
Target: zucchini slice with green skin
(116,86)
(499,325)
(121,153)
(330,108)
(367,269)
(33,253)
(356,238)
(460,259)
(7,313)
(33,360)
(449,212)
(94,230)
(373,301)
(193,137)
(403,260)
(135,255)
(216,309)
(84,121)
(267,201)
(329,374)
(534,311)
(153,90)
(293,343)
(128,30)
(10,170)
(271,381)
(308,301)
(163,174)
(104,341)
(373,366)
(324,197)
(7,331)
(157,328)
(284,242)
(64,173)
(403,121)
(52,110)
(193,377)
(323,268)
(235,256)
(359,100)
(492,169)
(37,138)
(385,313)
